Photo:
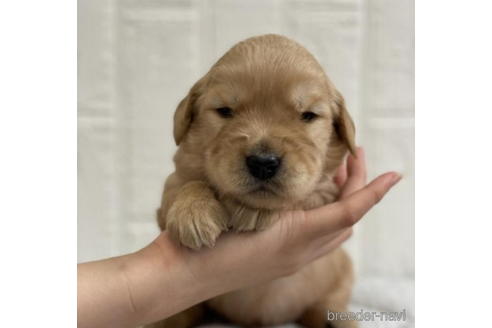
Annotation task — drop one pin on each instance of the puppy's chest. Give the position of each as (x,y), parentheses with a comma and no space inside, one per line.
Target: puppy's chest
(276,302)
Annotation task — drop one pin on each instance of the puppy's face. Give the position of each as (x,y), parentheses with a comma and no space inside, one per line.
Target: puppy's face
(267,134)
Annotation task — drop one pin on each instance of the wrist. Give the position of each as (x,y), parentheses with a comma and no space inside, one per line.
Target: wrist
(161,282)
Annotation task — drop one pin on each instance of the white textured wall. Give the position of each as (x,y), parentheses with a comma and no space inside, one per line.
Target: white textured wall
(137,59)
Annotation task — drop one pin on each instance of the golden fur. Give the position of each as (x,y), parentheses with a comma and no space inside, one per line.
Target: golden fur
(268,82)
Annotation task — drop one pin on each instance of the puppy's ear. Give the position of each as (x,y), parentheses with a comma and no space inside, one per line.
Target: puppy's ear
(183,117)
(344,126)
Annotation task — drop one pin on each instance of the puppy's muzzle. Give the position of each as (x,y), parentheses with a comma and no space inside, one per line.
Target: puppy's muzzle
(264,166)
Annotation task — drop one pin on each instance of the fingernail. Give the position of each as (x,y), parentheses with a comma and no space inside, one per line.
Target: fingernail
(395,177)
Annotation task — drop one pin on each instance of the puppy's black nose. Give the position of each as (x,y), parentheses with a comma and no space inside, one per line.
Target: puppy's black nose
(264,166)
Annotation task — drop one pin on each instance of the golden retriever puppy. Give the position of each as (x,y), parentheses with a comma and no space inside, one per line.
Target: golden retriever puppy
(264,130)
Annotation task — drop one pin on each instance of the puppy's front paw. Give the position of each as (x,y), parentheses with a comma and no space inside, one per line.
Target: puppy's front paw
(196,223)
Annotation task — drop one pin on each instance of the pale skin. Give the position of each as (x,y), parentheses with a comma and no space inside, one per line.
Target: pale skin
(163,278)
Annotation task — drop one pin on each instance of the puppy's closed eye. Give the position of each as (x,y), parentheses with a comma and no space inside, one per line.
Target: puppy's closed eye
(225,112)
(308,116)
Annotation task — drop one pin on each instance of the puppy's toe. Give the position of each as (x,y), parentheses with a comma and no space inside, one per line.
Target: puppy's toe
(247,219)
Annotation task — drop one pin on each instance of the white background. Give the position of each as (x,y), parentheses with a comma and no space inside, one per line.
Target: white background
(137,59)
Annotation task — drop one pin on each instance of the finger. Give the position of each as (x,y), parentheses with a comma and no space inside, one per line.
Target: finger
(332,244)
(348,211)
(356,171)
(341,176)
